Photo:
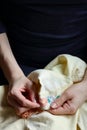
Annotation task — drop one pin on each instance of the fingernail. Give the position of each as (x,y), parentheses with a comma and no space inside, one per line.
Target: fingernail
(54,105)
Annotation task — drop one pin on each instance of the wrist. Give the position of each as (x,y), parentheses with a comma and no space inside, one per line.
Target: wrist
(84,87)
(11,69)
(15,75)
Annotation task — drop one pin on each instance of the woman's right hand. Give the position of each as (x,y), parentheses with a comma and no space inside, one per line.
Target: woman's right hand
(19,84)
(21,96)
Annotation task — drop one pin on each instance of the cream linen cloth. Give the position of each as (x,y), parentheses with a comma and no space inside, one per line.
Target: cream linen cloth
(58,75)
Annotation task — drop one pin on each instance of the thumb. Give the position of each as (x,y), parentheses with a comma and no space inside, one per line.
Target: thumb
(59,101)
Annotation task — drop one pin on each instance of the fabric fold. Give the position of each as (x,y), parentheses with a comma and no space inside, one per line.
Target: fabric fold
(59,74)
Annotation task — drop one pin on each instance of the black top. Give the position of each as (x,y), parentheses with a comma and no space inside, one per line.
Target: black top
(2,28)
(39,30)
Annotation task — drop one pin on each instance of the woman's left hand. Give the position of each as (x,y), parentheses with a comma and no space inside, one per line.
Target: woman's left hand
(71,99)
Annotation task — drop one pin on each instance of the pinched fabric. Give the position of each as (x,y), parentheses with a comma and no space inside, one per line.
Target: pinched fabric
(51,81)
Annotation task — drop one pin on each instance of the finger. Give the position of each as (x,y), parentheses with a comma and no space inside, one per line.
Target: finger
(23,101)
(43,102)
(59,111)
(31,94)
(65,109)
(17,106)
(59,101)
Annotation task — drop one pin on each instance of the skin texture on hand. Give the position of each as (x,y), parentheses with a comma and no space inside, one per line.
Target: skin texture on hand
(68,103)
(21,96)
(24,100)
(71,99)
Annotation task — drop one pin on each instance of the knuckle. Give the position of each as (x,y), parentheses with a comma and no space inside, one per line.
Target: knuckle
(73,110)
(12,92)
(30,83)
(67,94)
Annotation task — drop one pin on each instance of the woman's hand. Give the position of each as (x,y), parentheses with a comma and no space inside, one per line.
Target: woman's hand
(70,100)
(21,96)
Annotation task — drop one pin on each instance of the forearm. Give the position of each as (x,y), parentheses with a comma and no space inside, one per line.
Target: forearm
(8,63)
(84,85)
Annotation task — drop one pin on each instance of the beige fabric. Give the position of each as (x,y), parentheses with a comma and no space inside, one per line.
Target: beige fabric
(59,74)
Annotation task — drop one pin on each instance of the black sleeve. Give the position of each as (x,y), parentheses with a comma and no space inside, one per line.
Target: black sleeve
(2,28)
